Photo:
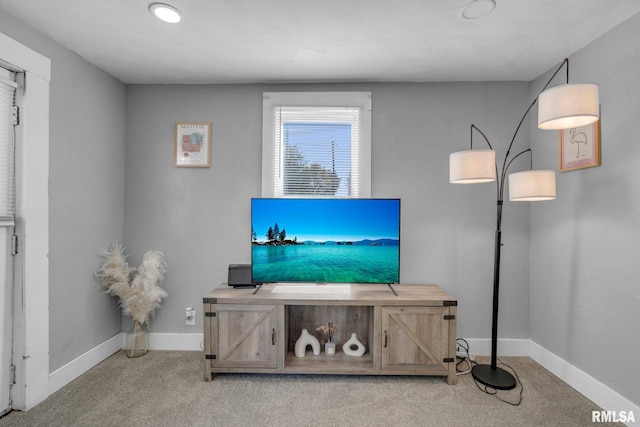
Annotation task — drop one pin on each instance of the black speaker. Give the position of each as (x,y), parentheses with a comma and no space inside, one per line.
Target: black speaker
(240,276)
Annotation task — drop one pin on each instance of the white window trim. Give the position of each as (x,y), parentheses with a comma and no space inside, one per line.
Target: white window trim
(316,99)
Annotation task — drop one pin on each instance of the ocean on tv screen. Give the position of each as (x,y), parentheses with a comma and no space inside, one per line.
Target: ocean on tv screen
(326,240)
(329,263)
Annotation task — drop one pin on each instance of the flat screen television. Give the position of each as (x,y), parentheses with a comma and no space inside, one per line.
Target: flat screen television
(325,240)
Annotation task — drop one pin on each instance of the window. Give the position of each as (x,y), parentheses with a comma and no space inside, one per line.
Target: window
(7,151)
(316,144)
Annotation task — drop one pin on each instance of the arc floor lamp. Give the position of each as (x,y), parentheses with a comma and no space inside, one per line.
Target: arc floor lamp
(560,107)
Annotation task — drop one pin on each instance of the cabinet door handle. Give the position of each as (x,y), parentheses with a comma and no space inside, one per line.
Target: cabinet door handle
(385,339)
(273,337)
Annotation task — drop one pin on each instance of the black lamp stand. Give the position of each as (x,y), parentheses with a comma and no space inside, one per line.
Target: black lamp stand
(491,375)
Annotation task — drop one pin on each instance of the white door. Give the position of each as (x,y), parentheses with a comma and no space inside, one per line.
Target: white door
(7,192)
(6,322)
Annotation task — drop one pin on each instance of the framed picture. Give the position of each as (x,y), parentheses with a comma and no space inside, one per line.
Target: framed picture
(193,144)
(580,147)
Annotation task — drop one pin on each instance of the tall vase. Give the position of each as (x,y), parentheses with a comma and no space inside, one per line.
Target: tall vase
(306,339)
(353,341)
(136,340)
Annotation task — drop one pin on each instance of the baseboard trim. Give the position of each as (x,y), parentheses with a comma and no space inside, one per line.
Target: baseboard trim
(506,347)
(594,390)
(169,341)
(184,342)
(81,364)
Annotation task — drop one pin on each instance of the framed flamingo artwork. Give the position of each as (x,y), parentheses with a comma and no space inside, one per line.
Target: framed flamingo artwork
(580,147)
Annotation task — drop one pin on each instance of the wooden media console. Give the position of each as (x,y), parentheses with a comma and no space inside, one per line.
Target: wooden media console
(411,333)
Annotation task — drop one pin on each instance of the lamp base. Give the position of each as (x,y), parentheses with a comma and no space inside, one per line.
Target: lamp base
(496,378)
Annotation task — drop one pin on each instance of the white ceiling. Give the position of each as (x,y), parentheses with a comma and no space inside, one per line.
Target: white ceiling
(240,41)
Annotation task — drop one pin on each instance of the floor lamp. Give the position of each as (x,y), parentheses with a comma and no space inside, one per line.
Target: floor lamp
(560,107)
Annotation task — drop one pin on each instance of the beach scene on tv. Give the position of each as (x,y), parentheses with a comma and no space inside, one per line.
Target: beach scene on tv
(325,240)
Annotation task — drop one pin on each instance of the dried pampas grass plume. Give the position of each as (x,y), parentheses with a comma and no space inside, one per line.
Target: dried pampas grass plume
(138,289)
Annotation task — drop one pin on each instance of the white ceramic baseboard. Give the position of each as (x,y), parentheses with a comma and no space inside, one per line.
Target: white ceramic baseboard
(594,390)
(81,364)
(506,347)
(591,388)
(183,342)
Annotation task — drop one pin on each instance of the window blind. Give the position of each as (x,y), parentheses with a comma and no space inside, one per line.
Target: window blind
(7,149)
(316,151)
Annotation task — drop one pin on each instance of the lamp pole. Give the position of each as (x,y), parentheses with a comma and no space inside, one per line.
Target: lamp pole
(562,107)
(491,375)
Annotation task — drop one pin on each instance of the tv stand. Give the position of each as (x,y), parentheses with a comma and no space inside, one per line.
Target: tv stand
(413,333)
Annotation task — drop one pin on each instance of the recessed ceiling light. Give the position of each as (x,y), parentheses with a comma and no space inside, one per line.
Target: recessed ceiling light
(165,13)
(477,9)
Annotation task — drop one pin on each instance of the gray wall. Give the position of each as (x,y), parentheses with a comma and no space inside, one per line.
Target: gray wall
(200,217)
(583,300)
(585,246)
(86,193)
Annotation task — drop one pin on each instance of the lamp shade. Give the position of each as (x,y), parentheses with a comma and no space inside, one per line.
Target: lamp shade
(472,166)
(532,186)
(568,106)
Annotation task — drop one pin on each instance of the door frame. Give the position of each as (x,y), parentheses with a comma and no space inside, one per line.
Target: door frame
(31,280)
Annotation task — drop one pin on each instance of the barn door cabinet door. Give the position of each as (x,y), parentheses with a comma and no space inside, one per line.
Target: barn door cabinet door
(243,336)
(416,338)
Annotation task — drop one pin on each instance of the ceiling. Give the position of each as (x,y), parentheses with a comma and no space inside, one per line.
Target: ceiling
(283,41)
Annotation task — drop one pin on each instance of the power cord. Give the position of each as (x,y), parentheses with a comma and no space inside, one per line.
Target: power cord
(463,356)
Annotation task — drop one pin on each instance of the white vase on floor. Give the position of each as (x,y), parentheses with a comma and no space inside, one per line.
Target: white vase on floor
(136,340)
(353,341)
(306,339)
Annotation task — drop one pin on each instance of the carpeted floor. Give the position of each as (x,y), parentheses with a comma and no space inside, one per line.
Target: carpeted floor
(166,388)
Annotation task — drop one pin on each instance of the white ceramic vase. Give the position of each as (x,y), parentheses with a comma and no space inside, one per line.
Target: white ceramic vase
(306,339)
(353,341)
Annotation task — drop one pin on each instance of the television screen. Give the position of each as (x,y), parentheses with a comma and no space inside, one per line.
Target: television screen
(325,240)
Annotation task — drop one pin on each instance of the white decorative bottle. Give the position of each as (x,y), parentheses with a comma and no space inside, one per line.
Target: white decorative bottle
(353,341)
(306,339)
(330,348)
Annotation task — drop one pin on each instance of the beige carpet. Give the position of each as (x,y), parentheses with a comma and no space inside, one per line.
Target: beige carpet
(166,388)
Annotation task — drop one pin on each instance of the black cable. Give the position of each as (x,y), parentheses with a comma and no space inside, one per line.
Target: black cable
(494,392)
(463,345)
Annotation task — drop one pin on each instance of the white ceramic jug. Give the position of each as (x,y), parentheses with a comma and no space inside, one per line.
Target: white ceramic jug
(306,339)
(353,341)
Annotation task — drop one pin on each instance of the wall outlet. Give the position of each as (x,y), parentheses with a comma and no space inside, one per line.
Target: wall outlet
(190,316)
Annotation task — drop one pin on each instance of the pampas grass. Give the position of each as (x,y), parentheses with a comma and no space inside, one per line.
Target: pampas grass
(138,288)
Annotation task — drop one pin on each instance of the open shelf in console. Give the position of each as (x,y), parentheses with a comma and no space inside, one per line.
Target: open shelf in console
(348,318)
(323,364)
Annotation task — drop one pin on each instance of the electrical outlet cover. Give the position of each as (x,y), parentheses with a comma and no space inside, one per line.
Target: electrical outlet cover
(191,317)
